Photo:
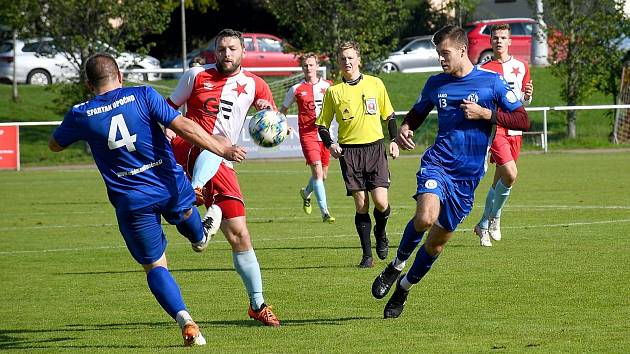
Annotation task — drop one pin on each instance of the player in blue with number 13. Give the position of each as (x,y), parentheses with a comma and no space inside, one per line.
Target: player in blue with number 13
(468,100)
(122,126)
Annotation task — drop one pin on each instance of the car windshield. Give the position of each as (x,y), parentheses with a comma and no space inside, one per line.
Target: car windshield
(403,43)
(6,47)
(469,28)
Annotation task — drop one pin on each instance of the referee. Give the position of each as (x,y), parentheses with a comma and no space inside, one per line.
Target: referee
(359,103)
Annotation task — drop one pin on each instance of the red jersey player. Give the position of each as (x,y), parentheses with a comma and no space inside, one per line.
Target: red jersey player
(506,145)
(218,97)
(309,95)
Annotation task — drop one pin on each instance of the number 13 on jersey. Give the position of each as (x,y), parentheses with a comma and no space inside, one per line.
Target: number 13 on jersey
(118,125)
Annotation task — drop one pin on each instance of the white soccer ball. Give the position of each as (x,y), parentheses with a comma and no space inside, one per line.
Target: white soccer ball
(268,128)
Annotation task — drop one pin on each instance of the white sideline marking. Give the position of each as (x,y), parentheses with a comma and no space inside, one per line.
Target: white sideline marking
(8,253)
(344,207)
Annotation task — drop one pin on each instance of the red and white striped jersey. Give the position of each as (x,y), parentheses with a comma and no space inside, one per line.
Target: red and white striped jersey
(217,102)
(309,98)
(516,73)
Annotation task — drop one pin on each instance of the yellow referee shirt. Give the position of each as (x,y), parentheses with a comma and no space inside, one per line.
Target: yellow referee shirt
(358,109)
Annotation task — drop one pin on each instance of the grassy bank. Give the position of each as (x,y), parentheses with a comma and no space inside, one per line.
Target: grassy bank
(593,127)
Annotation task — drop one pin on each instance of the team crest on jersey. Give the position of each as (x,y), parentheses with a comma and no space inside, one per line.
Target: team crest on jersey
(208,85)
(511,96)
(473,97)
(370,105)
(430,184)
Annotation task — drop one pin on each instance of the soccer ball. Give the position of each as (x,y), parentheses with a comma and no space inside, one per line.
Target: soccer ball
(268,128)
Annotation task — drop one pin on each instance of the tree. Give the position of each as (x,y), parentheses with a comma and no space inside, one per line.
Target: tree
(81,28)
(16,15)
(585,34)
(322,25)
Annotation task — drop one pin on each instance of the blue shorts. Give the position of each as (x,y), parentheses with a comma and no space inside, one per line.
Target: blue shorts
(142,228)
(456,196)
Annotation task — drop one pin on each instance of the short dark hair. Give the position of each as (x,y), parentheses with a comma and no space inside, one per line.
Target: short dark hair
(101,68)
(349,45)
(227,32)
(454,33)
(501,27)
(308,56)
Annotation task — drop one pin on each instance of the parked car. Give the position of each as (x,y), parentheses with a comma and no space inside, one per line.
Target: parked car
(40,63)
(262,50)
(414,54)
(480,49)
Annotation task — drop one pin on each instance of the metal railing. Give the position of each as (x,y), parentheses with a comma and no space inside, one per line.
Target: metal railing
(544,133)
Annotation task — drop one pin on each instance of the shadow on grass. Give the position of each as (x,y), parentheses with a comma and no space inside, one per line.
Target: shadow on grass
(352,265)
(25,338)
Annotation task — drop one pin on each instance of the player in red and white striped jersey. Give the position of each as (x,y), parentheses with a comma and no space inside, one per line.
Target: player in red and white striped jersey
(506,145)
(218,97)
(309,95)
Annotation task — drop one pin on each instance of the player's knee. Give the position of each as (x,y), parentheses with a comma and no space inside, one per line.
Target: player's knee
(238,237)
(509,178)
(423,221)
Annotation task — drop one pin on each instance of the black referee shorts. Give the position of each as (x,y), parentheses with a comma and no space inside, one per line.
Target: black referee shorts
(364,166)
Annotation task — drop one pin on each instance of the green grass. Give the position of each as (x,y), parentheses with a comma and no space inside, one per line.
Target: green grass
(558,282)
(593,127)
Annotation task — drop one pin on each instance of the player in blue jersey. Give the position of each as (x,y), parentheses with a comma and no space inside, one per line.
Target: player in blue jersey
(123,127)
(467,100)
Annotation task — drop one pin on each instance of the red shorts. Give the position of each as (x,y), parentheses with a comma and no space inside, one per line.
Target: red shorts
(314,151)
(222,189)
(505,148)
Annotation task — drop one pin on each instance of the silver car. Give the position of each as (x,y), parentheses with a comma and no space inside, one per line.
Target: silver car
(415,54)
(39,63)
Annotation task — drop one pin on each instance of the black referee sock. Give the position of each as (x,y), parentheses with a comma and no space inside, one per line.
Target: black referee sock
(364,228)
(380,219)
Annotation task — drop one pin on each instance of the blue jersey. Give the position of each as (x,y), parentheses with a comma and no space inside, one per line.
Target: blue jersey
(128,145)
(461,144)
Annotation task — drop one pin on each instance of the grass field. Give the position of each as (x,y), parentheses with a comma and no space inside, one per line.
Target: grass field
(558,282)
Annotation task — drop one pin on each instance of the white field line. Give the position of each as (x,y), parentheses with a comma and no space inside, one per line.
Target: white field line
(345,207)
(586,223)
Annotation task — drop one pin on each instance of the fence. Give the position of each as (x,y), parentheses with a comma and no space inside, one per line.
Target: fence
(291,146)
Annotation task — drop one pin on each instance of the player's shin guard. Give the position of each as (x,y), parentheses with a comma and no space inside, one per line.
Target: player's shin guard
(483,222)
(380,221)
(248,268)
(409,241)
(363,224)
(206,166)
(309,187)
(501,195)
(166,291)
(191,228)
(421,266)
(320,194)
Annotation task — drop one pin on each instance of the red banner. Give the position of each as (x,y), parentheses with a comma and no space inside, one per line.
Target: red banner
(9,148)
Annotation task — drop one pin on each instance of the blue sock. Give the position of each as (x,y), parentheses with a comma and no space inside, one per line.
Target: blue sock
(206,166)
(309,187)
(320,193)
(483,222)
(410,240)
(191,228)
(421,266)
(501,194)
(165,290)
(247,267)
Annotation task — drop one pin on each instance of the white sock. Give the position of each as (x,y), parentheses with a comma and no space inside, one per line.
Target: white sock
(398,264)
(405,284)
(182,318)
